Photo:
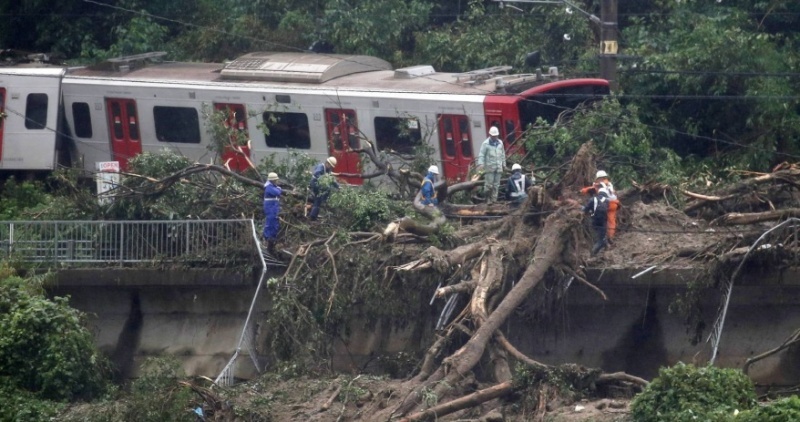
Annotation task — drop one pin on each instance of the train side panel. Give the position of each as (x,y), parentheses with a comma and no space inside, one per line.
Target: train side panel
(304,110)
(29,101)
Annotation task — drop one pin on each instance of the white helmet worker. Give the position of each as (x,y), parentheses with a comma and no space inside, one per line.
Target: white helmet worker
(272,176)
(600,174)
(493,131)
(434,169)
(516,167)
(331,161)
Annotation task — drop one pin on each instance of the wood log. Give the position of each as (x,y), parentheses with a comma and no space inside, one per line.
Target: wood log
(469,400)
(736,218)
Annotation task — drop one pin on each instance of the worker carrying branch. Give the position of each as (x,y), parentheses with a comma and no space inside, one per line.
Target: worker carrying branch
(597,207)
(602,180)
(322,184)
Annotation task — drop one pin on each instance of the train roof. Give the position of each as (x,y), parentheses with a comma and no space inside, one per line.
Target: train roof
(310,71)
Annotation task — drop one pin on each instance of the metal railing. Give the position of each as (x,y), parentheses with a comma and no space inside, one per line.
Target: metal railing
(209,243)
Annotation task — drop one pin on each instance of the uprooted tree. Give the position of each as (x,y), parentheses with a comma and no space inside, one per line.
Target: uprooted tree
(543,240)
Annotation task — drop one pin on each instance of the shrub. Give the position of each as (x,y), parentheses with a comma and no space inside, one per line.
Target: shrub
(689,393)
(784,410)
(44,346)
(23,406)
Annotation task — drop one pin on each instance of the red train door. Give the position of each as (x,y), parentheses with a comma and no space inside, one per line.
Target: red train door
(123,122)
(237,119)
(2,117)
(503,112)
(343,139)
(456,146)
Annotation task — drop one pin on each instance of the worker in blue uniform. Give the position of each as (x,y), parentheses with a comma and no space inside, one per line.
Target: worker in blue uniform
(321,191)
(427,190)
(272,206)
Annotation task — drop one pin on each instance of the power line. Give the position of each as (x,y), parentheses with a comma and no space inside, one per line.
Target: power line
(663,97)
(706,72)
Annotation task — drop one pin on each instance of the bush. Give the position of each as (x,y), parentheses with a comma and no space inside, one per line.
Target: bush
(688,393)
(16,197)
(784,410)
(23,406)
(44,346)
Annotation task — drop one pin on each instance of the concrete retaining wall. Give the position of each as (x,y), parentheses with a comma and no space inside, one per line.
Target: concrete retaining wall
(198,317)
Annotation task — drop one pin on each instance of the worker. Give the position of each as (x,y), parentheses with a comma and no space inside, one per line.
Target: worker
(602,179)
(322,191)
(272,206)
(428,192)
(517,185)
(491,162)
(597,207)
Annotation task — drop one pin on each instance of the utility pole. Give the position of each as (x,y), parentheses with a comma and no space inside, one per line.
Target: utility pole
(608,33)
(608,42)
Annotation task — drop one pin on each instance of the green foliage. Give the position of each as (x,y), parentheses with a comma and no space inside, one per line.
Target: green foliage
(783,410)
(623,143)
(362,210)
(16,197)
(295,168)
(44,346)
(723,52)
(484,36)
(223,135)
(687,393)
(24,406)
(156,396)
(374,27)
(182,200)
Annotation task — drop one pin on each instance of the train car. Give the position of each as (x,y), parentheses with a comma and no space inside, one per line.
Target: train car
(317,104)
(30,98)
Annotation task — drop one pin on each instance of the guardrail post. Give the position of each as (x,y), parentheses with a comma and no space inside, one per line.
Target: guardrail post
(121,243)
(55,243)
(187,237)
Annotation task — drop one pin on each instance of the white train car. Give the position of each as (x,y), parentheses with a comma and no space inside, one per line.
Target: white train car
(318,104)
(29,117)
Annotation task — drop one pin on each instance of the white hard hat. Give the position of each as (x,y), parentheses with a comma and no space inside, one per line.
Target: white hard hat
(272,176)
(516,167)
(493,131)
(434,169)
(600,174)
(331,161)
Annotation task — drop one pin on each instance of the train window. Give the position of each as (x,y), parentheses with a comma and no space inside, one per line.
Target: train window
(116,113)
(283,99)
(133,125)
(82,120)
(466,143)
(450,143)
(287,130)
(512,135)
(177,124)
(353,139)
(398,135)
(36,111)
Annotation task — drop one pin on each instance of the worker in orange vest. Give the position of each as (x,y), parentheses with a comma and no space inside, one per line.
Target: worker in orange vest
(601,180)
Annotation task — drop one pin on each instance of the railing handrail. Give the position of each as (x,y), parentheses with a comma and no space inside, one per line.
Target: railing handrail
(217,241)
